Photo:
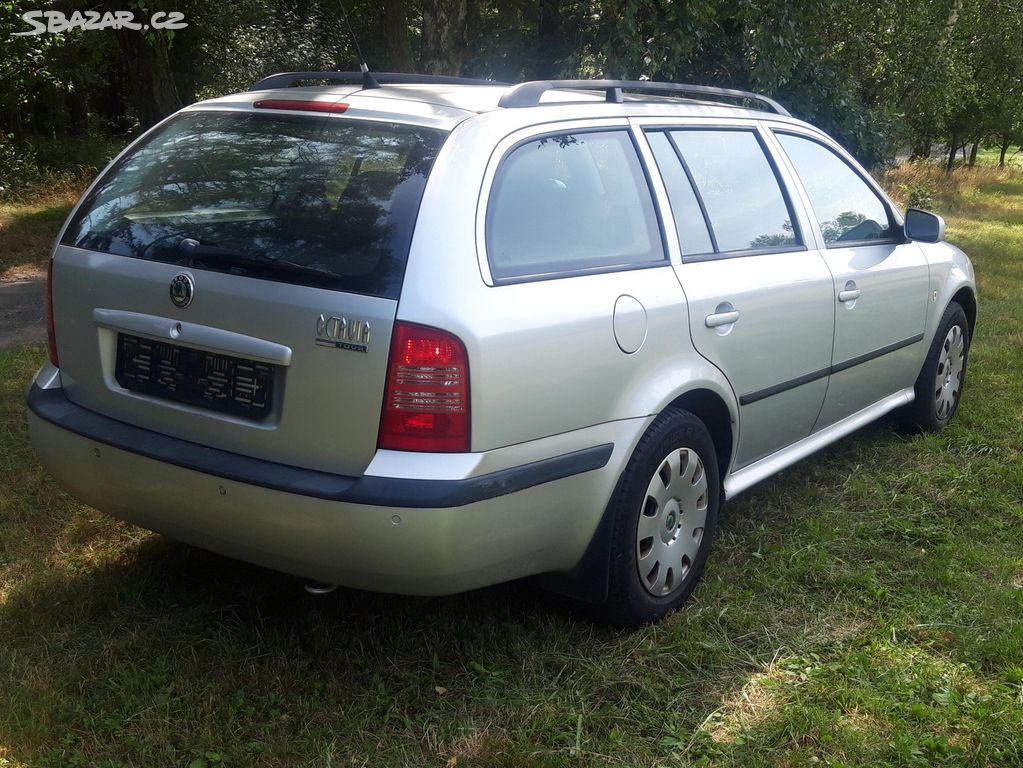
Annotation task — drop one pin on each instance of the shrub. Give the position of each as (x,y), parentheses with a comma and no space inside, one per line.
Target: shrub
(19,171)
(920,195)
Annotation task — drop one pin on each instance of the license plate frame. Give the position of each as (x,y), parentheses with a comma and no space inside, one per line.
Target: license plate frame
(213,381)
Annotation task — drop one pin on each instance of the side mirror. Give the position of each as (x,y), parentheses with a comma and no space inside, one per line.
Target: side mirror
(924,226)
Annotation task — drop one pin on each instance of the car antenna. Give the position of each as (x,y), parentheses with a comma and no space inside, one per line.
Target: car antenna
(368,81)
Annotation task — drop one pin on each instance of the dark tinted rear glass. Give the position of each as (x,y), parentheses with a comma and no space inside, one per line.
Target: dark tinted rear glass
(317,201)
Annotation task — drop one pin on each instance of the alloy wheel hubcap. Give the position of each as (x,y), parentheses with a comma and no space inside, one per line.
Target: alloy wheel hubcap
(671,522)
(948,379)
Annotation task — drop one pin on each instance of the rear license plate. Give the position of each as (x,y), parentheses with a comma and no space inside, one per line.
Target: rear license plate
(218,382)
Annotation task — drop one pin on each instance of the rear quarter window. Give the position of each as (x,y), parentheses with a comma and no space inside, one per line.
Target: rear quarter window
(320,201)
(569,203)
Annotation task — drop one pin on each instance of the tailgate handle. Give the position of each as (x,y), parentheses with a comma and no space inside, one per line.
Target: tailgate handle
(193,335)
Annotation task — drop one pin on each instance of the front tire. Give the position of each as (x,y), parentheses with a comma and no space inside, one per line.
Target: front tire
(665,517)
(939,387)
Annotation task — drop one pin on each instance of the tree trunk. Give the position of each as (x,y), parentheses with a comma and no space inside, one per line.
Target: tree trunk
(973,154)
(395,25)
(78,108)
(1005,148)
(953,147)
(548,36)
(444,36)
(473,38)
(921,148)
(151,85)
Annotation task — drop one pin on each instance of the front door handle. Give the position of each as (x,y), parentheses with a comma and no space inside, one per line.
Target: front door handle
(722,318)
(851,292)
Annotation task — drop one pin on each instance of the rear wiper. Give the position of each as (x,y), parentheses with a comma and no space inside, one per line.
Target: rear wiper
(245,260)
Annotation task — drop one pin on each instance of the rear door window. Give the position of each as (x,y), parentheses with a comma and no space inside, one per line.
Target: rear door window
(690,224)
(571,202)
(745,205)
(847,209)
(318,201)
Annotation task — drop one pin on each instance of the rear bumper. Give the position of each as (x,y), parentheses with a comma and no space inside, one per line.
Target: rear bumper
(410,536)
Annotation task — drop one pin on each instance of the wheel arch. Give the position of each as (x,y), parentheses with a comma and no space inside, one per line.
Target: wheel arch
(967,299)
(710,408)
(588,580)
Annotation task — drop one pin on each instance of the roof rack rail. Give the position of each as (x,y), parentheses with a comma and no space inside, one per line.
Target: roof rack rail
(287,79)
(528,94)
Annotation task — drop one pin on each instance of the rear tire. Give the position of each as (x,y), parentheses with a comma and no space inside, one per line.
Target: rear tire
(939,387)
(665,514)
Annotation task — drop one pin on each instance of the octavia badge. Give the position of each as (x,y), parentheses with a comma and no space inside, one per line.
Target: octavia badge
(343,333)
(181,290)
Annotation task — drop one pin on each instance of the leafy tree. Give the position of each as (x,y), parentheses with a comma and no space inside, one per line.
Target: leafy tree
(881,77)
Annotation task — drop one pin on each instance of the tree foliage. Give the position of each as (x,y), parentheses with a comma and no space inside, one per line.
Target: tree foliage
(882,77)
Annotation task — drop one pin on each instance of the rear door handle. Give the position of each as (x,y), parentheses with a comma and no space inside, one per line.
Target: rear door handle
(851,292)
(722,318)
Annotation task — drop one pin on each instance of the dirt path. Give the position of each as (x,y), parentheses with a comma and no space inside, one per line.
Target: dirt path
(22,312)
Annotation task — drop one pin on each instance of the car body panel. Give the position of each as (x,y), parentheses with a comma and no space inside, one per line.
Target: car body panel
(784,332)
(327,407)
(885,324)
(428,551)
(879,342)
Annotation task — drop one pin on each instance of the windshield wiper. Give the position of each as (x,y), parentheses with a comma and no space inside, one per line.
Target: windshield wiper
(253,261)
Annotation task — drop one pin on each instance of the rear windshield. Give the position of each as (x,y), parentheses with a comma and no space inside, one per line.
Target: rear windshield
(319,201)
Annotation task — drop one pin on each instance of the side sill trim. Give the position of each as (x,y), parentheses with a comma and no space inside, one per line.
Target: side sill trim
(806,378)
(51,405)
(743,478)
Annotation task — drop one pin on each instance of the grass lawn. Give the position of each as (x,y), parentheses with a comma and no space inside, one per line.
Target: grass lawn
(27,231)
(863,608)
(1013,158)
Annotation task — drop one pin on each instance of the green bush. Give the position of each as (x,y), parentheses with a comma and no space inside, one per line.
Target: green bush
(32,169)
(918,195)
(19,171)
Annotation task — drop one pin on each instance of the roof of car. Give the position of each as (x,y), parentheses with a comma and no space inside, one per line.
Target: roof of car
(446,101)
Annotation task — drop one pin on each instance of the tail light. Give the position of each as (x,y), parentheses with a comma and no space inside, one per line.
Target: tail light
(426,400)
(51,337)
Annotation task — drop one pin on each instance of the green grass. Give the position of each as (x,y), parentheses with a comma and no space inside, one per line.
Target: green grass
(863,608)
(989,156)
(27,231)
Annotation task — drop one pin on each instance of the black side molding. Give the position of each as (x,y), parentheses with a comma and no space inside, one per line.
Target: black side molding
(806,378)
(852,363)
(51,405)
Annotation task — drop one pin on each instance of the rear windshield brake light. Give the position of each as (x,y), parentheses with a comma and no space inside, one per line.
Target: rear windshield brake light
(304,105)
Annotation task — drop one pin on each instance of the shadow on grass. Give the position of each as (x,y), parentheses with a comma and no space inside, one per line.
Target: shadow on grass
(163,654)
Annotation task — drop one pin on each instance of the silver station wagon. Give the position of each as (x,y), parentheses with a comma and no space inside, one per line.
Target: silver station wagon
(421,335)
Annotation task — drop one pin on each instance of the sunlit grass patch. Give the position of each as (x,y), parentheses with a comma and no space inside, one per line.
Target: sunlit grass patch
(925,178)
(27,232)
